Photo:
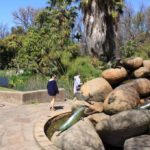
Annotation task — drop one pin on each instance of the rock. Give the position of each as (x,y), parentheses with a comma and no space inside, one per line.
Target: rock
(76,103)
(79,96)
(142,86)
(138,143)
(122,98)
(93,106)
(146,63)
(141,72)
(133,63)
(142,101)
(96,106)
(95,118)
(115,130)
(81,136)
(114,75)
(96,89)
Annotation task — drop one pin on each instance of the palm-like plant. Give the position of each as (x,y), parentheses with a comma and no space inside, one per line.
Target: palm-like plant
(101,26)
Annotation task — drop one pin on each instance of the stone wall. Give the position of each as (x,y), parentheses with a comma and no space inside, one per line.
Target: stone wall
(29,96)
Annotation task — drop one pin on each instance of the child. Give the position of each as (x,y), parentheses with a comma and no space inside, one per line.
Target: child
(52,89)
(77,84)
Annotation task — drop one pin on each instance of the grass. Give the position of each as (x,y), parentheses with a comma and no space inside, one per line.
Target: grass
(6,89)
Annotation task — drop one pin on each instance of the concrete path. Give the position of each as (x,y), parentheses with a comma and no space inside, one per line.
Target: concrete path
(17,123)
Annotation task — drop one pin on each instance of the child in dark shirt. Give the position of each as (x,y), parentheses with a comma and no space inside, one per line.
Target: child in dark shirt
(52,90)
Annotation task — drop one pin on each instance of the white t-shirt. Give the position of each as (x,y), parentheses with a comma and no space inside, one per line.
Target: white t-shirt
(77,82)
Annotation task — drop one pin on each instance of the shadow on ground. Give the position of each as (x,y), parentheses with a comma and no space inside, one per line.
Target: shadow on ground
(58,107)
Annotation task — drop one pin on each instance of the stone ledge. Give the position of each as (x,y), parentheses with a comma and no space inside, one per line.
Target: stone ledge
(38,130)
(29,96)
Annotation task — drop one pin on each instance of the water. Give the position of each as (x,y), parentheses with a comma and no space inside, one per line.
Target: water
(55,123)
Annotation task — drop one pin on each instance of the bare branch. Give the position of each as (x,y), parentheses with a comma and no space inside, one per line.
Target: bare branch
(25,17)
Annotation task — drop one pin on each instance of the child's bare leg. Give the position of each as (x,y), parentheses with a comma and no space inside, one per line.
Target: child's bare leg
(52,102)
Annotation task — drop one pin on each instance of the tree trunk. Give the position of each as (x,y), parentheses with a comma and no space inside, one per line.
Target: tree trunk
(117,51)
(100,35)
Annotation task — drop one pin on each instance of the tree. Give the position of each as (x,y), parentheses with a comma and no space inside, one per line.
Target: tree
(3,30)
(135,32)
(147,16)
(101,26)
(25,17)
(126,28)
(17,30)
(9,47)
(47,46)
(41,18)
(139,21)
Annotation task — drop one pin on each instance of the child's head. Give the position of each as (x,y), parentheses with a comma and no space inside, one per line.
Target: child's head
(53,76)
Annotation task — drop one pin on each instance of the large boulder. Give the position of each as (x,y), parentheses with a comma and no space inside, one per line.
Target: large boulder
(96,106)
(141,72)
(141,85)
(96,89)
(76,104)
(146,63)
(133,63)
(98,117)
(115,130)
(114,75)
(81,136)
(138,143)
(122,98)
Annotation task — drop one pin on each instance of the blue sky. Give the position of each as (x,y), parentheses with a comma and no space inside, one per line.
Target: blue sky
(9,6)
(137,3)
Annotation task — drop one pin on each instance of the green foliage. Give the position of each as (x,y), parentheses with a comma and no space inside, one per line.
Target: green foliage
(85,67)
(17,30)
(25,81)
(6,89)
(129,49)
(138,47)
(48,47)
(9,48)
(28,83)
(17,80)
(115,7)
(66,83)
(3,73)
(143,49)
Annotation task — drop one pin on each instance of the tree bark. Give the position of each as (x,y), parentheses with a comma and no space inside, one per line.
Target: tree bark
(100,36)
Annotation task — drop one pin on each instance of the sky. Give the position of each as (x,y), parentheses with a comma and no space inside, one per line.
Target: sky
(9,6)
(137,3)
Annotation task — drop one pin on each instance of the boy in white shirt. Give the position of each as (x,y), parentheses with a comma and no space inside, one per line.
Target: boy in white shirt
(77,84)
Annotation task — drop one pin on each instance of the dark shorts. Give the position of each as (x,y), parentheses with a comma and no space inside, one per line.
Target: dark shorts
(52,93)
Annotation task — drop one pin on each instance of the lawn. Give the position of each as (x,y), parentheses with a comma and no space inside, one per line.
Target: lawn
(6,89)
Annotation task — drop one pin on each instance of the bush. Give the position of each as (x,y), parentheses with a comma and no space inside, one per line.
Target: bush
(86,67)
(66,83)
(129,49)
(28,83)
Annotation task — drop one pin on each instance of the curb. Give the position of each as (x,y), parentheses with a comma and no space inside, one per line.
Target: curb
(39,134)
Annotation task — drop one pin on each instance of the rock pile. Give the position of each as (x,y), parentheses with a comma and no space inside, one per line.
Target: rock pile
(113,109)
(120,88)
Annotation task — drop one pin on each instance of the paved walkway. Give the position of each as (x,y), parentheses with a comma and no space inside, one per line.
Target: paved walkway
(17,123)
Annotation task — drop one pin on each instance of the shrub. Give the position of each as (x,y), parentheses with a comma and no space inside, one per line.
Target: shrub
(85,67)
(28,83)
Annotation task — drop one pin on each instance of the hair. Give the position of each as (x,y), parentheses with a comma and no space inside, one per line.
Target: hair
(52,75)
